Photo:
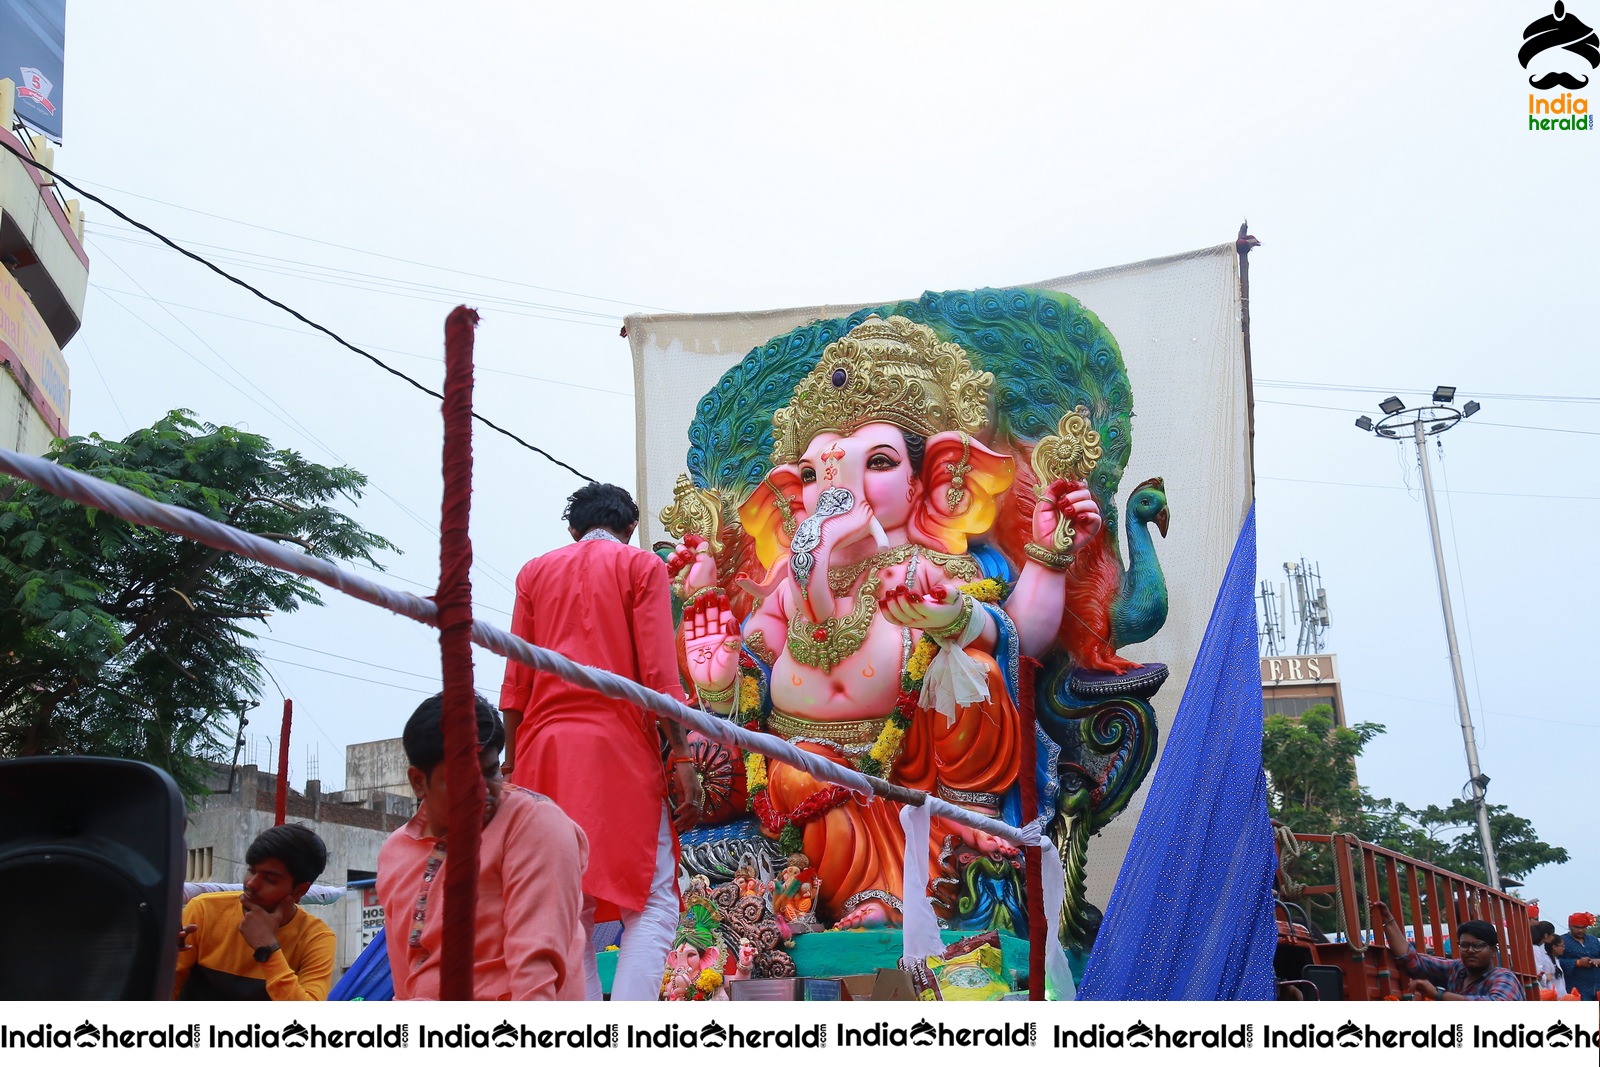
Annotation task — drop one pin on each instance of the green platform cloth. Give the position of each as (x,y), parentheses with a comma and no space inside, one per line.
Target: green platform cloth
(836,953)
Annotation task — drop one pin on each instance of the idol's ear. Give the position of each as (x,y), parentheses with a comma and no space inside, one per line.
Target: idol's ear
(772,512)
(961,477)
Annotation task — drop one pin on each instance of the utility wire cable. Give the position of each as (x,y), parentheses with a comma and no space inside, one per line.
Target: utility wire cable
(130,220)
(1543,398)
(480,369)
(378,255)
(351,659)
(1404,489)
(499,305)
(322,272)
(1475,422)
(341,674)
(489,571)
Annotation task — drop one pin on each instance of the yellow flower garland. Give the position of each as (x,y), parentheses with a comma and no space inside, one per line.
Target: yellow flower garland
(755,771)
(888,743)
(755,764)
(917,665)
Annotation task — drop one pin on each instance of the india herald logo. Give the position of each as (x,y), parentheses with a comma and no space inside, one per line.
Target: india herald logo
(1567,33)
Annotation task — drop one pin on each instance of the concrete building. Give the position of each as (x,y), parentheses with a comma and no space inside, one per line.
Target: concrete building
(352,823)
(44,275)
(1291,684)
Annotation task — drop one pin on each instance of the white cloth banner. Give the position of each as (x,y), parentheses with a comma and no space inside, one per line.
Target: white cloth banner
(1176,323)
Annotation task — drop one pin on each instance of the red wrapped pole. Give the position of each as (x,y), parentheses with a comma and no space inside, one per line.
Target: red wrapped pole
(1033,855)
(463,775)
(280,809)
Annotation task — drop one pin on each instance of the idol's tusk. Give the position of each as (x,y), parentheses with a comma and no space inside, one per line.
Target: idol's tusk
(877,532)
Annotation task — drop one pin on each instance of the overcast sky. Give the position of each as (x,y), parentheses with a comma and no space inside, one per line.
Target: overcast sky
(558,167)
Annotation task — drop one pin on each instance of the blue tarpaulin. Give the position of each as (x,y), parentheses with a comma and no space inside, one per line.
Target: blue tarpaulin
(368,977)
(1191,915)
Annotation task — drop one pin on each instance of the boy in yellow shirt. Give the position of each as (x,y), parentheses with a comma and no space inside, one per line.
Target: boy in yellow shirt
(259,944)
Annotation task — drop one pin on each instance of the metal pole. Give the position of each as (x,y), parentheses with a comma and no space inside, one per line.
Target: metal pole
(1490,867)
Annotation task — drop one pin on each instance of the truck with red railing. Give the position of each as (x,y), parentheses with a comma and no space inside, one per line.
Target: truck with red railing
(1327,947)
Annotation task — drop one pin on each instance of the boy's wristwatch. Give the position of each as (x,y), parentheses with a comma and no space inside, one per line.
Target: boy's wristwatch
(264,953)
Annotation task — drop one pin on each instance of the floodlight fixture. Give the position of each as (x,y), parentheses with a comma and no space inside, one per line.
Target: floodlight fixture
(1470,409)
(1444,394)
(1439,427)
(1364,423)
(1392,406)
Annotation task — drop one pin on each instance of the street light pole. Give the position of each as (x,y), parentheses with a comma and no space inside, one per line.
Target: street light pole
(1468,737)
(1425,422)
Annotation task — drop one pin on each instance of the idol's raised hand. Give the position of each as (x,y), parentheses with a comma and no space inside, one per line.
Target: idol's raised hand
(711,646)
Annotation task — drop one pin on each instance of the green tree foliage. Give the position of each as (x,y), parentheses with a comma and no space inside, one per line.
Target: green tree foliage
(1448,837)
(122,640)
(1311,771)
(1312,789)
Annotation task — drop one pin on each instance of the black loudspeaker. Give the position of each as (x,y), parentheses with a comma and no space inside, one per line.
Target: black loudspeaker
(91,879)
(1328,978)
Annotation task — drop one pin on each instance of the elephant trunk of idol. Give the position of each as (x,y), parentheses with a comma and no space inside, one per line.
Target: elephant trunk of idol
(812,547)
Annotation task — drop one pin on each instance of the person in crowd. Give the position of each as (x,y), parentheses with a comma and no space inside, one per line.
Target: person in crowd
(1580,958)
(603,603)
(1475,976)
(1547,949)
(260,944)
(528,943)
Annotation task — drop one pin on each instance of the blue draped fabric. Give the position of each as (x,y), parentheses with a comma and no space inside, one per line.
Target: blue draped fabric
(368,977)
(1191,915)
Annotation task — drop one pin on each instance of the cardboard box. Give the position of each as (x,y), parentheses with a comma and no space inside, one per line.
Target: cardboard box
(858,986)
(892,984)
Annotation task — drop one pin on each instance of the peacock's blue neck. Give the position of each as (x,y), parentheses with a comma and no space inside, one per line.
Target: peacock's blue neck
(1141,549)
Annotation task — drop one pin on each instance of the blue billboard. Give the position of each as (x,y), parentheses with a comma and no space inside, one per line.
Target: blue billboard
(33,36)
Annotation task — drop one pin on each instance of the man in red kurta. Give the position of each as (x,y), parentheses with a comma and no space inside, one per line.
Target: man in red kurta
(603,603)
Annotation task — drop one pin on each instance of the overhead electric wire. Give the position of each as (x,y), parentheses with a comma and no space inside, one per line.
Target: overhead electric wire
(353,677)
(1475,422)
(425,585)
(1408,489)
(322,272)
(449,298)
(480,368)
(352,659)
(280,305)
(380,255)
(304,713)
(494,574)
(127,427)
(1548,398)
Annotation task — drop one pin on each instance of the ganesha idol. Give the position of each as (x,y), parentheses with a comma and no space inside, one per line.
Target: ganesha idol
(869,598)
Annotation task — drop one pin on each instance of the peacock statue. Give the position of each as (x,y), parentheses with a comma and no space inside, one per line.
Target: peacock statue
(1140,607)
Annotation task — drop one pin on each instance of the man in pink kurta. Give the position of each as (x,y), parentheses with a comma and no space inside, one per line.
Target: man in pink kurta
(603,603)
(528,938)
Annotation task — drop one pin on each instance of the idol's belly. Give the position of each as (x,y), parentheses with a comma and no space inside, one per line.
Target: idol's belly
(863,685)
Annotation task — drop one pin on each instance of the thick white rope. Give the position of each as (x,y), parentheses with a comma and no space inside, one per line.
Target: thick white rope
(126,504)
